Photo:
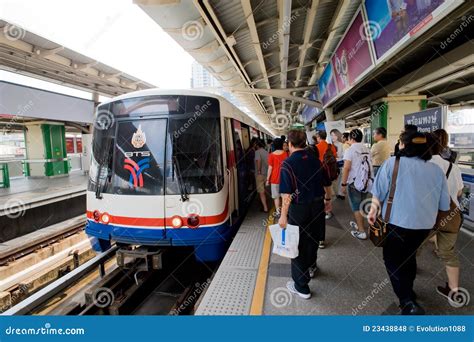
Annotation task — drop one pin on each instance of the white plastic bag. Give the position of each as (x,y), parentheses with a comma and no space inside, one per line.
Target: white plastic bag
(285,241)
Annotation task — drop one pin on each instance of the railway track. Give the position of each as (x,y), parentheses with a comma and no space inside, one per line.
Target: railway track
(101,287)
(17,251)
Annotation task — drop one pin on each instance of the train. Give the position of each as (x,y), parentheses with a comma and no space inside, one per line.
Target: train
(169,168)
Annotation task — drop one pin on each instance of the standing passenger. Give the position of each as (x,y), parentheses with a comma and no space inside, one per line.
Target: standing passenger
(286,148)
(381,149)
(323,147)
(446,242)
(261,170)
(421,190)
(357,171)
(337,138)
(275,160)
(304,204)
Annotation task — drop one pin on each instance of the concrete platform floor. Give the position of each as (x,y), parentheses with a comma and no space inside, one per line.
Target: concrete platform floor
(352,280)
(27,190)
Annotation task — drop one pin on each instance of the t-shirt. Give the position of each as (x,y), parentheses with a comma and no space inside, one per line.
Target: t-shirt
(261,155)
(302,176)
(421,191)
(455,182)
(322,147)
(380,152)
(354,154)
(275,160)
(340,150)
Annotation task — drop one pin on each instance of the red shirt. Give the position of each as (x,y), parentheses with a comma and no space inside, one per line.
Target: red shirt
(322,147)
(275,160)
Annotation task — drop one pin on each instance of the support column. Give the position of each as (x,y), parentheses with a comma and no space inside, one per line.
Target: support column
(389,112)
(46,149)
(329,114)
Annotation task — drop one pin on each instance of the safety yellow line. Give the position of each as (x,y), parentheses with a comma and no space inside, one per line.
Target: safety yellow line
(256,308)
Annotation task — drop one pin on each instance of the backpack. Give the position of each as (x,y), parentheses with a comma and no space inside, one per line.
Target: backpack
(363,178)
(330,164)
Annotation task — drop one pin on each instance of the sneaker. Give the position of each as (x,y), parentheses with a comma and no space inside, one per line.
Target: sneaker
(329,215)
(312,271)
(444,291)
(322,245)
(353,225)
(359,235)
(291,287)
(341,197)
(450,295)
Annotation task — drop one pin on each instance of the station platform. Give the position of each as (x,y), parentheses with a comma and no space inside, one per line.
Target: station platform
(351,277)
(27,193)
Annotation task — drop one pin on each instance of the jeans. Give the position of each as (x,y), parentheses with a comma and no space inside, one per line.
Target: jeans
(399,254)
(311,221)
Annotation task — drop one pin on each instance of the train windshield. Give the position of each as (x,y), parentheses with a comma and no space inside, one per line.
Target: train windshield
(172,146)
(194,149)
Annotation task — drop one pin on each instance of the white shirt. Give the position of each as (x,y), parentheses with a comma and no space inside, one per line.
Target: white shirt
(455,183)
(340,150)
(354,154)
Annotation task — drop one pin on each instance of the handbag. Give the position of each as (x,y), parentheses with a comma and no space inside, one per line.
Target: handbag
(449,221)
(378,231)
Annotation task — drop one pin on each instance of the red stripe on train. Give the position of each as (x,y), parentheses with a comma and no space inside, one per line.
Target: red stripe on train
(160,222)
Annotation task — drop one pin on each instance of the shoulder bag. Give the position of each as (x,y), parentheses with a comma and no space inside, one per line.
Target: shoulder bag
(378,231)
(449,221)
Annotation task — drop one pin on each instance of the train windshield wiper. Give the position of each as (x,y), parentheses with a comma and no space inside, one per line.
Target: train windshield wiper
(104,161)
(181,185)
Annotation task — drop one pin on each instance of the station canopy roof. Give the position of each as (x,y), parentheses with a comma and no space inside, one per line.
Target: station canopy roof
(278,49)
(26,53)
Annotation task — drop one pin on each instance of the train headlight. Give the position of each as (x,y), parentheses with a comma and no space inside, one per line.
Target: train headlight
(176,222)
(193,221)
(105,218)
(96,215)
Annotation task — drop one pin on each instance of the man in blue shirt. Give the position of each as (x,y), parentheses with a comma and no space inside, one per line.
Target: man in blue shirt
(302,186)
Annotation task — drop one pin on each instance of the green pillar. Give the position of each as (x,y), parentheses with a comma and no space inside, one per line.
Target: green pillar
(46,150)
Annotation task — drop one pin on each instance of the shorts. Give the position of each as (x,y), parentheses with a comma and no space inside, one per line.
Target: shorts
(446,248)
(356,197)
(260,183)
(275,190)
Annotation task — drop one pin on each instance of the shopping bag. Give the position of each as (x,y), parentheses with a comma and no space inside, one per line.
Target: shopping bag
(285,241)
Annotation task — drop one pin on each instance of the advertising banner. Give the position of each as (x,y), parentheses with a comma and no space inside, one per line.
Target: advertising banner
(334,125)
(394,21)
(352,56)
(327,85)
(427,120)
(310,112)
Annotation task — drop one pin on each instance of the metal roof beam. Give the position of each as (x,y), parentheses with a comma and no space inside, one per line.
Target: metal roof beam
(308,29)
(284,23)
(247,7)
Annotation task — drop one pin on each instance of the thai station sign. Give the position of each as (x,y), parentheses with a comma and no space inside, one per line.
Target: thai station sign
(428,120)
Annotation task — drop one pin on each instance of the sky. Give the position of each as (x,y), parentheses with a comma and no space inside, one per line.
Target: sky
(114,32)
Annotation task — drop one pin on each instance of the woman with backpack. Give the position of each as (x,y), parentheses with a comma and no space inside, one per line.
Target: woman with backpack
(420,192)
(357,179)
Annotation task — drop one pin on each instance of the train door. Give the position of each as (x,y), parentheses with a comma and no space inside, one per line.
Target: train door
(231,167)
(245,136)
